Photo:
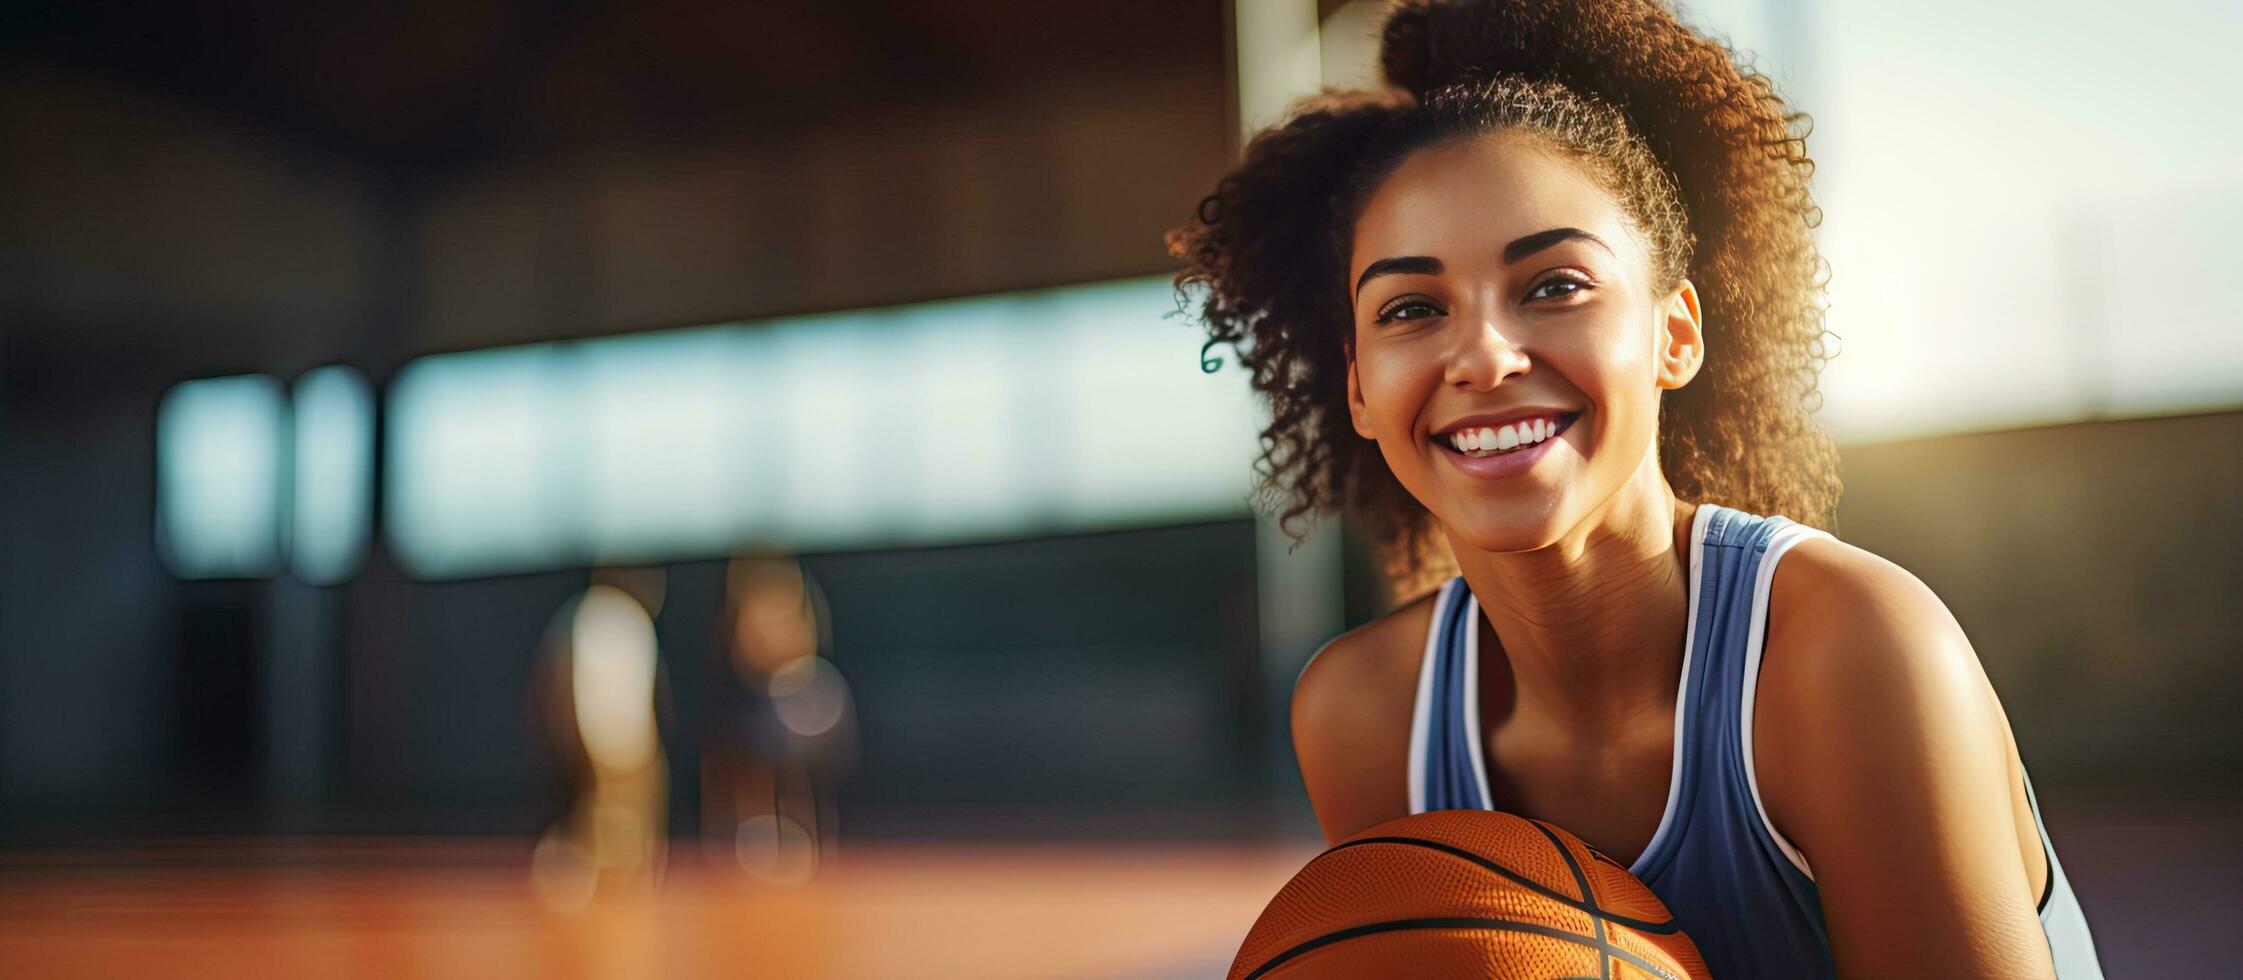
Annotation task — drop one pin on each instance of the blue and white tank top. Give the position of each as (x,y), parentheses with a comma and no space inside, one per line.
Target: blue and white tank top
(1741,891)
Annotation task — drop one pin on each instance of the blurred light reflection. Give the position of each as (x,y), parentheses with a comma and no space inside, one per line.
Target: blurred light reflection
(334,473)
(219,492)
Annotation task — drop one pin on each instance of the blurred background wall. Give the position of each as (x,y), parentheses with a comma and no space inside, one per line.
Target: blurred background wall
(624,286)
(258,189)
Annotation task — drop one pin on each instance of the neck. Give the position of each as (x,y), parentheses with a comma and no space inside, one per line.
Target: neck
(1590,627)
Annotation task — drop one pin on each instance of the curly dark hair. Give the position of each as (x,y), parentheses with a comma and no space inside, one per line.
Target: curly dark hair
(1701,154)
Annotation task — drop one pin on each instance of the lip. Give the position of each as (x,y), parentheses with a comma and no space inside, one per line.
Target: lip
(1504,464)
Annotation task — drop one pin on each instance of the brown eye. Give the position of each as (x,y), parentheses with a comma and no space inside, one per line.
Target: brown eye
(1558,287)
(1394,311)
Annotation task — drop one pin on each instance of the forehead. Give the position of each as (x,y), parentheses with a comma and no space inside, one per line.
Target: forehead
(1467,198)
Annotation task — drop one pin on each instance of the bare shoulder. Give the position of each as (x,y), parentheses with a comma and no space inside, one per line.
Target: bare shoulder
(1822,569)
(1848,615)
(1857,644)
(1351,720)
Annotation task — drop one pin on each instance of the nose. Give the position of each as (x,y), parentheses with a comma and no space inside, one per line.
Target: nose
(1484,354)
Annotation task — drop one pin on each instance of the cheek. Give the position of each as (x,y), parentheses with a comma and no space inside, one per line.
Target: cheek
(1615,366)
(1394,387)
(1613,358)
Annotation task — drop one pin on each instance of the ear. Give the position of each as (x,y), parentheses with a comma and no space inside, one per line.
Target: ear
(1356,412)
(1682,341)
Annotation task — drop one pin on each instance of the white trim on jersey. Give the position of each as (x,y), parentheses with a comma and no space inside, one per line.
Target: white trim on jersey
(2063,922)
(1763,577)
(1697,558)
(1471,696)
(1422,717)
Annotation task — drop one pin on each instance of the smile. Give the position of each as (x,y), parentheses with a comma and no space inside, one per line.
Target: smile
(1499,451)
(1497,440)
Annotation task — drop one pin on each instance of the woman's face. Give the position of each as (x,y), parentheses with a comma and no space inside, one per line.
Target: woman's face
(1494,282)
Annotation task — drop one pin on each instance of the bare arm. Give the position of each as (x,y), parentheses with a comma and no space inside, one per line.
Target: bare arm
(1351,736)
(1886,764)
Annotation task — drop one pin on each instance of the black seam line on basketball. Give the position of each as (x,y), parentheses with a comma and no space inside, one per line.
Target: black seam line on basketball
(1666,928)
(1581,881)
(1460,922)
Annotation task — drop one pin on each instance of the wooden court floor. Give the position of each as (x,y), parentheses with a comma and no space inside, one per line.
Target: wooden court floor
(2159,884)
(403,908)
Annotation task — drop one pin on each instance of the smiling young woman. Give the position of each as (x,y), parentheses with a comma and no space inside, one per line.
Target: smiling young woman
(1549,304)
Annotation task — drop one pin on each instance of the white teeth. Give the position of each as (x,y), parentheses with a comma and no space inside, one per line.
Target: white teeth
(1494,440)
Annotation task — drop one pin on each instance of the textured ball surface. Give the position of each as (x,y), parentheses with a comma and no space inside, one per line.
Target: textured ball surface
(1466,893)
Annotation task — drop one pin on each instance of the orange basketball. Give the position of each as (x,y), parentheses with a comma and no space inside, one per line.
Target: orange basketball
(1466,893)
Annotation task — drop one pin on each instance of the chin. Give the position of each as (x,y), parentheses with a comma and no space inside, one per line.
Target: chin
(1505,530)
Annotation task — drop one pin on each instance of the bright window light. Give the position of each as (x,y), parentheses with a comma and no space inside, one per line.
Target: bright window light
(220,446)
(659,452)
(1034,413)
(2016,241)
(334,474)
(484,469)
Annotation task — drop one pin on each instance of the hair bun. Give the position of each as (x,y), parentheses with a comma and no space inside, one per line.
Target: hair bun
(1406,46)
(1431,44)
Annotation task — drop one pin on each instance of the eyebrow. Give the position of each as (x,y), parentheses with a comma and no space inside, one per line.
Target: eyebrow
(1401,265)
(1426,265)
(1544,239)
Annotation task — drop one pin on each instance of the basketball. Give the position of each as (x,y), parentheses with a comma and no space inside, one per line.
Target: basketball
(1465,893)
